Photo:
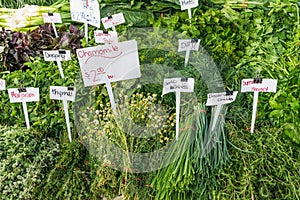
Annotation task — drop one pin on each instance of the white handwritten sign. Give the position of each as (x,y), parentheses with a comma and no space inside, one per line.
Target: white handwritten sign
(267,85)
(112,21)
(187,4)
(178,85)
(218,99)
(57,55)
(62,93)
(66,94)
(188,45)
(2,84)
(256,86)
(51,17)
(28,95)
(214,99)
(85,11)
(109,63)
(24,95)
(106,36)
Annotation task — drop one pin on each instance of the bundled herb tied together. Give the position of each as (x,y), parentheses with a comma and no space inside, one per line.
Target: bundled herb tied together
(30,16)
(140,124)
(193,175)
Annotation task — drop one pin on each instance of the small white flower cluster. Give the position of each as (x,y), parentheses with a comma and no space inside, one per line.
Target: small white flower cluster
(144,110)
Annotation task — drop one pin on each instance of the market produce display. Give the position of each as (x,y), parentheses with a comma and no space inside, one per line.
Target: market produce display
(158,102)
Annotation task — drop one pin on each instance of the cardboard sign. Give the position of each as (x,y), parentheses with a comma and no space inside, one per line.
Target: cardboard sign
(188,45)
(52,17)
(57,55)
(267,85)
(178,85)
(109,63)
(85,11)
(2,84)
(112,21)
(214,99)
(188,4)
(62,93)
(28,95)
(106,37)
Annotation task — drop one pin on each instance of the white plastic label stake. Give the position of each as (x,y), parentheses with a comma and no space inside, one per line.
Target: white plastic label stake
(177,113)
(60,69)
(26,114)
(65,94)
(106,36)
(188,45)
(188,5)
(86,32)
(265,85)
(67,119)
(85,11)
(255,100)
(113,21)
(22,96)
(178,85)
(58,56)
(111,96)
(52,18)
(218,99)
(2,84)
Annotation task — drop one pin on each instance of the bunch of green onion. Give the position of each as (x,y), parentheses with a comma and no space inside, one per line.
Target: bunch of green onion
(30,16)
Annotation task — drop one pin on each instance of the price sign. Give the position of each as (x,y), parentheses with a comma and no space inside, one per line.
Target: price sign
(52,17)
(112,21)
(106,36)
(85,11)
(2,84)
(109,63)
(178,85)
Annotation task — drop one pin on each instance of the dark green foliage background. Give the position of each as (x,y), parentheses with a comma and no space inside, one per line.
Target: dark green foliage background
(262,38)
